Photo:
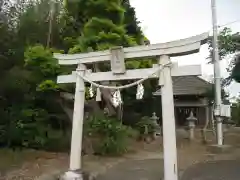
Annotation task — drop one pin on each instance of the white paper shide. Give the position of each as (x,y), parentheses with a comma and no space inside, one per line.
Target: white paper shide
(117,99)
(140,91)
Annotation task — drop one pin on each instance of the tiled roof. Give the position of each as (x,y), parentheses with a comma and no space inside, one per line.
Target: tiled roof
(188,85)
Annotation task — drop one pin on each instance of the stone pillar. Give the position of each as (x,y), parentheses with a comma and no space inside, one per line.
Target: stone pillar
(168,116)
(75,169)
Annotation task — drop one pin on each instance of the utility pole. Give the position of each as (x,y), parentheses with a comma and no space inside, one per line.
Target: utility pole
(217,75)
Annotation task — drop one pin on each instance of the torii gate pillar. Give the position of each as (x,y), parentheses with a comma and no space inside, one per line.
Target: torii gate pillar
(169,132)
(77,128)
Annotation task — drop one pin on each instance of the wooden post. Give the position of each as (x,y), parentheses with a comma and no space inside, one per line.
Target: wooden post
(169,131)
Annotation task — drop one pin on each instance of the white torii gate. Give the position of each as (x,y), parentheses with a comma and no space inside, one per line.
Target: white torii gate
(117,56)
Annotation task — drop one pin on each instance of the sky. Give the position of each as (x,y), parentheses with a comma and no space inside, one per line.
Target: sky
(167,20)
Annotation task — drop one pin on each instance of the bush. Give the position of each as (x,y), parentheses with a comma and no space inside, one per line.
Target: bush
(109,136)
(146,126)
(131,132)
(32,128)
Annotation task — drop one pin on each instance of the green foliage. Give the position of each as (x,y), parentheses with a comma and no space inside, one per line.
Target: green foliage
(47,85)
(33,23)
(29,117)
(41,61)
(229,43)
(235,73)
(110,133)
(28,103)
(27,128)
(31,109)
(30,128)
(99,32)
(146,126)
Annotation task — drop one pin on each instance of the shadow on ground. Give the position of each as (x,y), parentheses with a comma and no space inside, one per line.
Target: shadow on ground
(151,169)
(216,170)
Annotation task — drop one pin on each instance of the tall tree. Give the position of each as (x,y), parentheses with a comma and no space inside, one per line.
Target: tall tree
(132,24)
(24,111)
(99,32)
(30,100)
(34,22)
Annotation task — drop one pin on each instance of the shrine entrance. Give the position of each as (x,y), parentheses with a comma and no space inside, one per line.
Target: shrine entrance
(189,94)
(164,71)
(182,113)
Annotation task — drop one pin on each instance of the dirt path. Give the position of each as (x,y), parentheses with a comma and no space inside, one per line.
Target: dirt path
(43,164)
(194,160)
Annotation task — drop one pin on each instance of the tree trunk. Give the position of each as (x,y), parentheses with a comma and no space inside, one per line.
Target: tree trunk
(90,106)
(107,95)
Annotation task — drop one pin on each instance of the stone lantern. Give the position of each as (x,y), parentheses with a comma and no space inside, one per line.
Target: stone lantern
(191,125)
(155,119)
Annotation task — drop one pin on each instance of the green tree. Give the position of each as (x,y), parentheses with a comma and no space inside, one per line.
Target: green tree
(34,22)
(229,43)
(100,33)
(31,102)
(28,105)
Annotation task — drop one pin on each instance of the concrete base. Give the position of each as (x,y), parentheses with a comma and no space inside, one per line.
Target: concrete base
(216,149)
(71,175)
(76,175)
(60,175)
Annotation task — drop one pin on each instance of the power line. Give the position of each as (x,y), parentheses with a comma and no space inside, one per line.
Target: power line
(229,23)
(224,25)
